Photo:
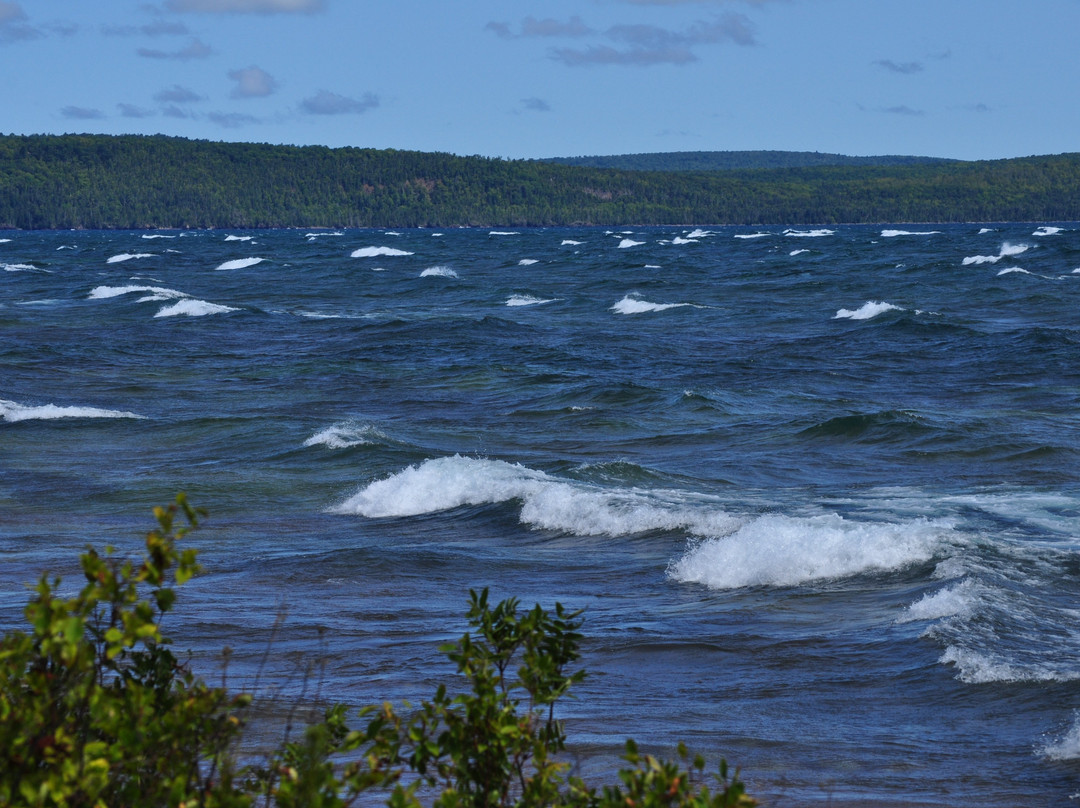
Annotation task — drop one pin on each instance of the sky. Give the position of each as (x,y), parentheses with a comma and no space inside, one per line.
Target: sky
(965,79)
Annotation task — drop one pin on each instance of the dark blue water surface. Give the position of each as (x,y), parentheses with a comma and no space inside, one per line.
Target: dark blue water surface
(816,490)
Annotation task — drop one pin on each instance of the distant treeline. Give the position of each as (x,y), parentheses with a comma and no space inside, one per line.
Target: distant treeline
(731,160)
(133,182)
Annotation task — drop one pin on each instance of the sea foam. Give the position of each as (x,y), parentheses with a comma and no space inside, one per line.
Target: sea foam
(895,233)
(372,252)
(626,243)
(866,311)
(633,305)
(11,412)
(438,272)
(190,307)
(779,550)
(1007,249)
(346,435)
(241,263)
(116,259)
(526,300)
(809,233)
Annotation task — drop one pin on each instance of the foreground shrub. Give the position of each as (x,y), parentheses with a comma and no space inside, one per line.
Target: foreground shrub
(95,710)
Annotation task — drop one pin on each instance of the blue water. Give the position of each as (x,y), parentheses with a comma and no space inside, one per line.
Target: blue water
(816,490)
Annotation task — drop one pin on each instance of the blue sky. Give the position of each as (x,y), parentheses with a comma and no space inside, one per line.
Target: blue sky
(970,79)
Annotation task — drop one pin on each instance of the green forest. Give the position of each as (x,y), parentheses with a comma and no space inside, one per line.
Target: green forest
(137,182)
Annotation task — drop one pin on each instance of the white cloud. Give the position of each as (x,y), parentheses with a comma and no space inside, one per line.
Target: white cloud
(325,102)
(82,113)
(247,6)
(252,82)
(196,49)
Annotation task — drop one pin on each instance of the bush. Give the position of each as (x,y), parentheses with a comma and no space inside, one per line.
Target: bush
(95,710)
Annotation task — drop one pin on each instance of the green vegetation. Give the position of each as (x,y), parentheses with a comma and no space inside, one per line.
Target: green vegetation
(731,160)
(134,182)
(96,711)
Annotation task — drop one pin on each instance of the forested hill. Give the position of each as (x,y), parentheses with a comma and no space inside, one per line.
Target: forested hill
(729,160)
(101,182)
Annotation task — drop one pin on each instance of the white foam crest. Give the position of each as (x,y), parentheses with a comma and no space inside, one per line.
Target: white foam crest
(526,300)
(157,292)
(438,272)
(981,259)
(568,242)
(504,233)
(779,550)
(116,259)
(952,601)
(866,311)
(323,235)
(809,233)
(975,667)
(626,243)
(680,240)
(547,502)
(190,307)
(752,235)
(391,233)
(633,305)
(345,435)
(895,233)
(239,238)
(241,263)
(983,231)
(155,235)
(698,233)
(1047,230)
(1066,747)
(527,262)
(6,240)
(11,412)
(798,252)
(1007,250)
(372,252)
(18,267)
(1011,270)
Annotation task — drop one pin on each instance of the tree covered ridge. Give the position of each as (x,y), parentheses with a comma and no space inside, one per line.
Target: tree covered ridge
(136,182)
(729,160)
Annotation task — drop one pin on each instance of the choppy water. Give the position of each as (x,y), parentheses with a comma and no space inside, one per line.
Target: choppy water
(816,490)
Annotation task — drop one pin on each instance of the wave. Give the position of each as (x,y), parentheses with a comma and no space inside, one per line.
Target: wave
(156,292)
(1011,270)
(20,268)
(810,233)
(191,307)
(699,233)
(1047,230)
(313,236)
(239,238)
(979,667)
(952,601)
(797,252)
(156,235)
(629,242)
(527,262)
(504,233)
(241,263)
(778,550)
(372,252)
(867,311)
(11,412)
(752,235)
(633,305)
(679,240)
(346,435)
(547,502)
(116,259)
(569,242)
(438,272)
(895,233)
(1007,250)
(1066,747)
(527,300)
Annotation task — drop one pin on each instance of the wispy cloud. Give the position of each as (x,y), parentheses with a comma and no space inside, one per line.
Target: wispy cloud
(903,109)
(325,102)
(232,120)
(177,95)
(13,25)
(535,104)
(252,82)
(82,113)
(196,49)
(906,68)
(132,111)
(247,6)
(532,27)
(646,45)
(155,28)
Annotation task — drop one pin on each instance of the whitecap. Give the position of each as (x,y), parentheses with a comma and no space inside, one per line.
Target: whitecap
(698,233)
(1013,269)
(627,242)
(633,305)
(155,235)
(371,252)
(239,238)
(976,667)
(11,412)
(1007,250)
(311,236)
(504,233)
(6,240)
(241,263)
(752,235)
(546,502)
(346,435)
(678,240)
(526,300)
(116,259)
(18,267)
(983,231)
(157,292)
(809,233)
(797,252)
(1047,230)
(566,242)
(868,310)
(1067,747)
(527,262)
(952,601)
(191,307)
(438,272)
(391,233)
(779,550)
(895,233)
